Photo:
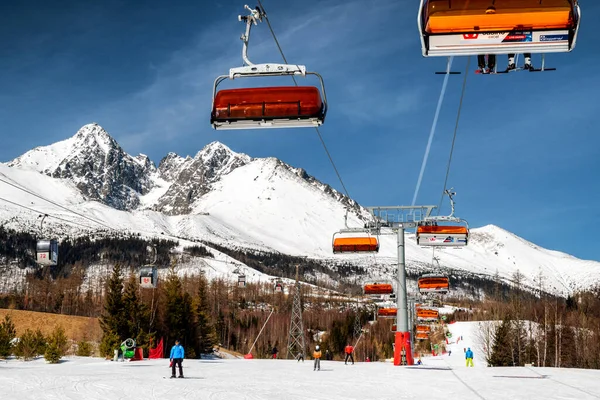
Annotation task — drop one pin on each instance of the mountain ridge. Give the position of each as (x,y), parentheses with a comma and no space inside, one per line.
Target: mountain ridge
(235,200)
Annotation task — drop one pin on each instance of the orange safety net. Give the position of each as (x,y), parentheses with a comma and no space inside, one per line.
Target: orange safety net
(268,102)
(387,312)
(443,229)
(156,352)
(379,288)
(355,244)
(443,16)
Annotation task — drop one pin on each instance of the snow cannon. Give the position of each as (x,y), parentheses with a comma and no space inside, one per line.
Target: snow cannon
(128,349)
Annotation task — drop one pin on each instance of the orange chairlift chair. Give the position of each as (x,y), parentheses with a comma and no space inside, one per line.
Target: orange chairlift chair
(421,336)
(427,314)
(423,329)
(355,240)
(266,107)
(473,27)
(429,233)
(387,312)
(434,283)
(485,27)
(376,288)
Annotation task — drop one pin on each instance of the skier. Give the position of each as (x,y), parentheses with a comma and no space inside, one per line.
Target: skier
(300,356)
(177,355)
(274,352)
(328,356)
(511,62)
(491,63)
(349,349)
(469,357)
(317,357)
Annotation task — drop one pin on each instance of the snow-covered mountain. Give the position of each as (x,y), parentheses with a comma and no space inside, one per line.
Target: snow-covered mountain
(235,200)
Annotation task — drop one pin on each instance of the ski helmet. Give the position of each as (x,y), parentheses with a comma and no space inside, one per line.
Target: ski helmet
(317,348)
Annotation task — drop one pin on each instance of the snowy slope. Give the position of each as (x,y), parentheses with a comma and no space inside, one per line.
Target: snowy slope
(92,378)
(264,204)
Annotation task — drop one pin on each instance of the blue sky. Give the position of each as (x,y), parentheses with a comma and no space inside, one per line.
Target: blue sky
(527,155)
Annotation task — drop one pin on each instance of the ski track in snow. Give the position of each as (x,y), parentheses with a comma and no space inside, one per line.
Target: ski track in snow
(443,377)
(92,378)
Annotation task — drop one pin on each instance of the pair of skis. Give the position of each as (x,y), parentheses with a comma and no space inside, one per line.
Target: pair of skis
(506,71)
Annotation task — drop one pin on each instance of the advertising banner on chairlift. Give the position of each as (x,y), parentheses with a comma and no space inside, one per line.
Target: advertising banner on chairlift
(429,239)
(499,43)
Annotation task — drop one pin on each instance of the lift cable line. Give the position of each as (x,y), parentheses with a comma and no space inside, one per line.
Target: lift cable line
(56,204)
(462,96)
(296,83)
(45,213)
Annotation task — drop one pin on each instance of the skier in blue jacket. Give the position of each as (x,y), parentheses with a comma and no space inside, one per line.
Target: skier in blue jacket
(177,355)
(469,357)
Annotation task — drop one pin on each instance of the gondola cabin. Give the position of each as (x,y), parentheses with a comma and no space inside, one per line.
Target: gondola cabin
(268,107)
(421,336)
(47,252)
(387,312)
(378,288)
(278,287)
(473,27)
(242,281)
(423,329)
(427,314)
(355,243)
(434,284)
(148,277)
(440,235)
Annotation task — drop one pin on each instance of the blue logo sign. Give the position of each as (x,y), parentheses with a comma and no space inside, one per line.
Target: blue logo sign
(554,38)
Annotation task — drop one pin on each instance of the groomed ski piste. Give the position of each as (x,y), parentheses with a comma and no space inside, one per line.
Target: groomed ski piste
(445,377)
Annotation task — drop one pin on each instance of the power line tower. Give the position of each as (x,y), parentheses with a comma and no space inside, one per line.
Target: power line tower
(357,324)
(296,343)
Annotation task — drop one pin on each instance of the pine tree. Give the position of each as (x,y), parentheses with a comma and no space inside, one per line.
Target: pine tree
(135,313)
(174,314)
(26,346)
(7,334)
(205,330)
(502,350)
(113,320)
(57,345)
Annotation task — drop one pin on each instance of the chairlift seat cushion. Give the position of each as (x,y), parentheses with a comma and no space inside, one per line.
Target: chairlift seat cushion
(268,103)
(441,229)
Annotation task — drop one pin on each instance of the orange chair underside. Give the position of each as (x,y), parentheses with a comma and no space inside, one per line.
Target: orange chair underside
(281,101)
(443,229)
(381,288)
(387,312)
(433,283)
(422,336)
(423,328)
(470,15)
(427,314)
(355,244)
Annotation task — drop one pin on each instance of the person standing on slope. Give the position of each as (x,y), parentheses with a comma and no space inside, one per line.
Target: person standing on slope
(177,355)
(317,357)
(469,357)
(349,350)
